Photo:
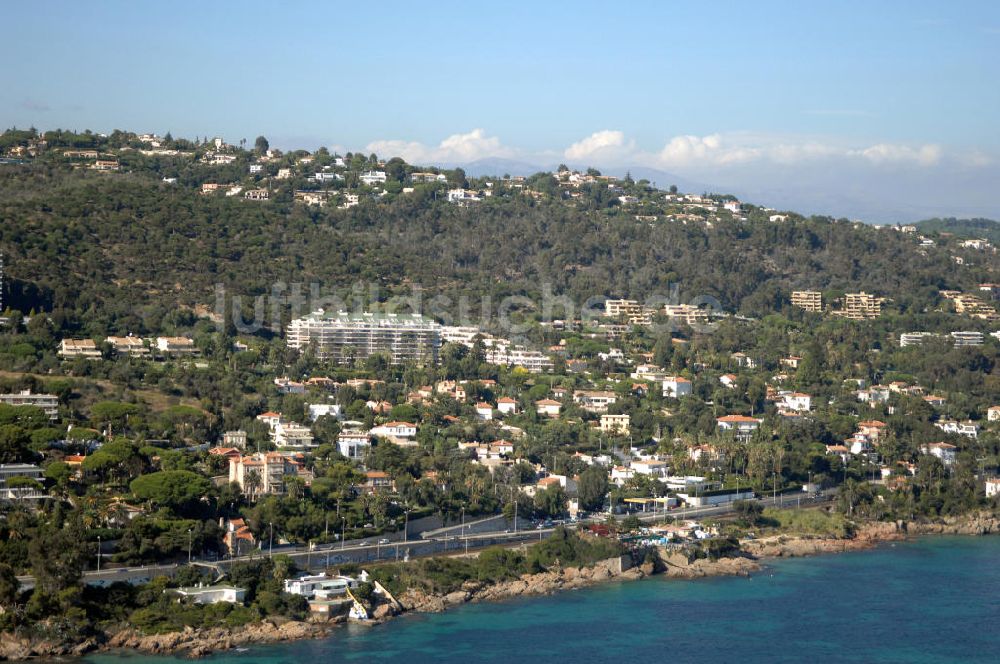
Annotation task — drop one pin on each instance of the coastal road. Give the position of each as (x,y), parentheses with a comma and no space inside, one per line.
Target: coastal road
(451,540)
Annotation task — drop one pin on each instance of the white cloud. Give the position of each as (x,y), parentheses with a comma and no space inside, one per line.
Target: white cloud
(455,148)
(925,155)
(607,144)
(688,151)
(712,149)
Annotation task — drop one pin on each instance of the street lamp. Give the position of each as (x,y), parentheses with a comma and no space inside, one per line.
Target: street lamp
(190,540)
(270,540)
(98,553)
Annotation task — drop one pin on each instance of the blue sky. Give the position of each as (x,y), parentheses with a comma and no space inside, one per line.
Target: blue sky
(728,93)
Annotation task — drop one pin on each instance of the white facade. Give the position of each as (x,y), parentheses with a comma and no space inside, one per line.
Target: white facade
(212,594)
(372,178)
(676,387)
(292,436)
(345,337)
(395,430)
(507,406)
(318,410)
(47,402)
(354,444)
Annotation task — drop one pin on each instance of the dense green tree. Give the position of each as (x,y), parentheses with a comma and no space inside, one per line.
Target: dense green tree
(178,490)
(592,488)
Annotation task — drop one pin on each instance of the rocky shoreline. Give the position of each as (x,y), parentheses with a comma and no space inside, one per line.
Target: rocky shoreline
(196,643)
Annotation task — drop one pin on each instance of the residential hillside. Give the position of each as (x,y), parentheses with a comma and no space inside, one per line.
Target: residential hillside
(971,228)
(111,238)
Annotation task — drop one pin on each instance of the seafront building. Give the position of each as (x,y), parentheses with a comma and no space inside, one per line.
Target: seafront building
(344,337)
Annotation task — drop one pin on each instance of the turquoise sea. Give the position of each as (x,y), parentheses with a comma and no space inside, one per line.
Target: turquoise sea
(932,600)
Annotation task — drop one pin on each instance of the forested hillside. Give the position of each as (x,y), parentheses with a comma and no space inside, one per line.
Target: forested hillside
(971,228)
(116,252)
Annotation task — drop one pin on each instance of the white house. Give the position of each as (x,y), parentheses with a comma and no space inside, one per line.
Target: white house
(742,426)
(395,430)
(676,387)
(484,411)
(944,451)
(548,407)
(507,406)
(620,475)
(970,429)
(993,413)
(728,380)
(372,178)
(353,444)
(211,594)
(270,418)
(318,410)
(797,401)
(594,401)
(321,585)
(651,467)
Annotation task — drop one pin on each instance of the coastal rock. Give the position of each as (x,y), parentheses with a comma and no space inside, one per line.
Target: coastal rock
(677,565)
(457,597)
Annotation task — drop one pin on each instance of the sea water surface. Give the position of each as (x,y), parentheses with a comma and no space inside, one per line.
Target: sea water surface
(936,599)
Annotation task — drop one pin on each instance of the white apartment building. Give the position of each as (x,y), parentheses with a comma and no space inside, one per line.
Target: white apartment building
(11,470)
(79,348)
(47,402)
(967,338)
(131,346)
(687,314)
(532,360)
(344,337)
(292,436)
(175,346)
(372,178)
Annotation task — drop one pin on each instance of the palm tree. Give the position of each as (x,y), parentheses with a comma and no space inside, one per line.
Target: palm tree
(252,483)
